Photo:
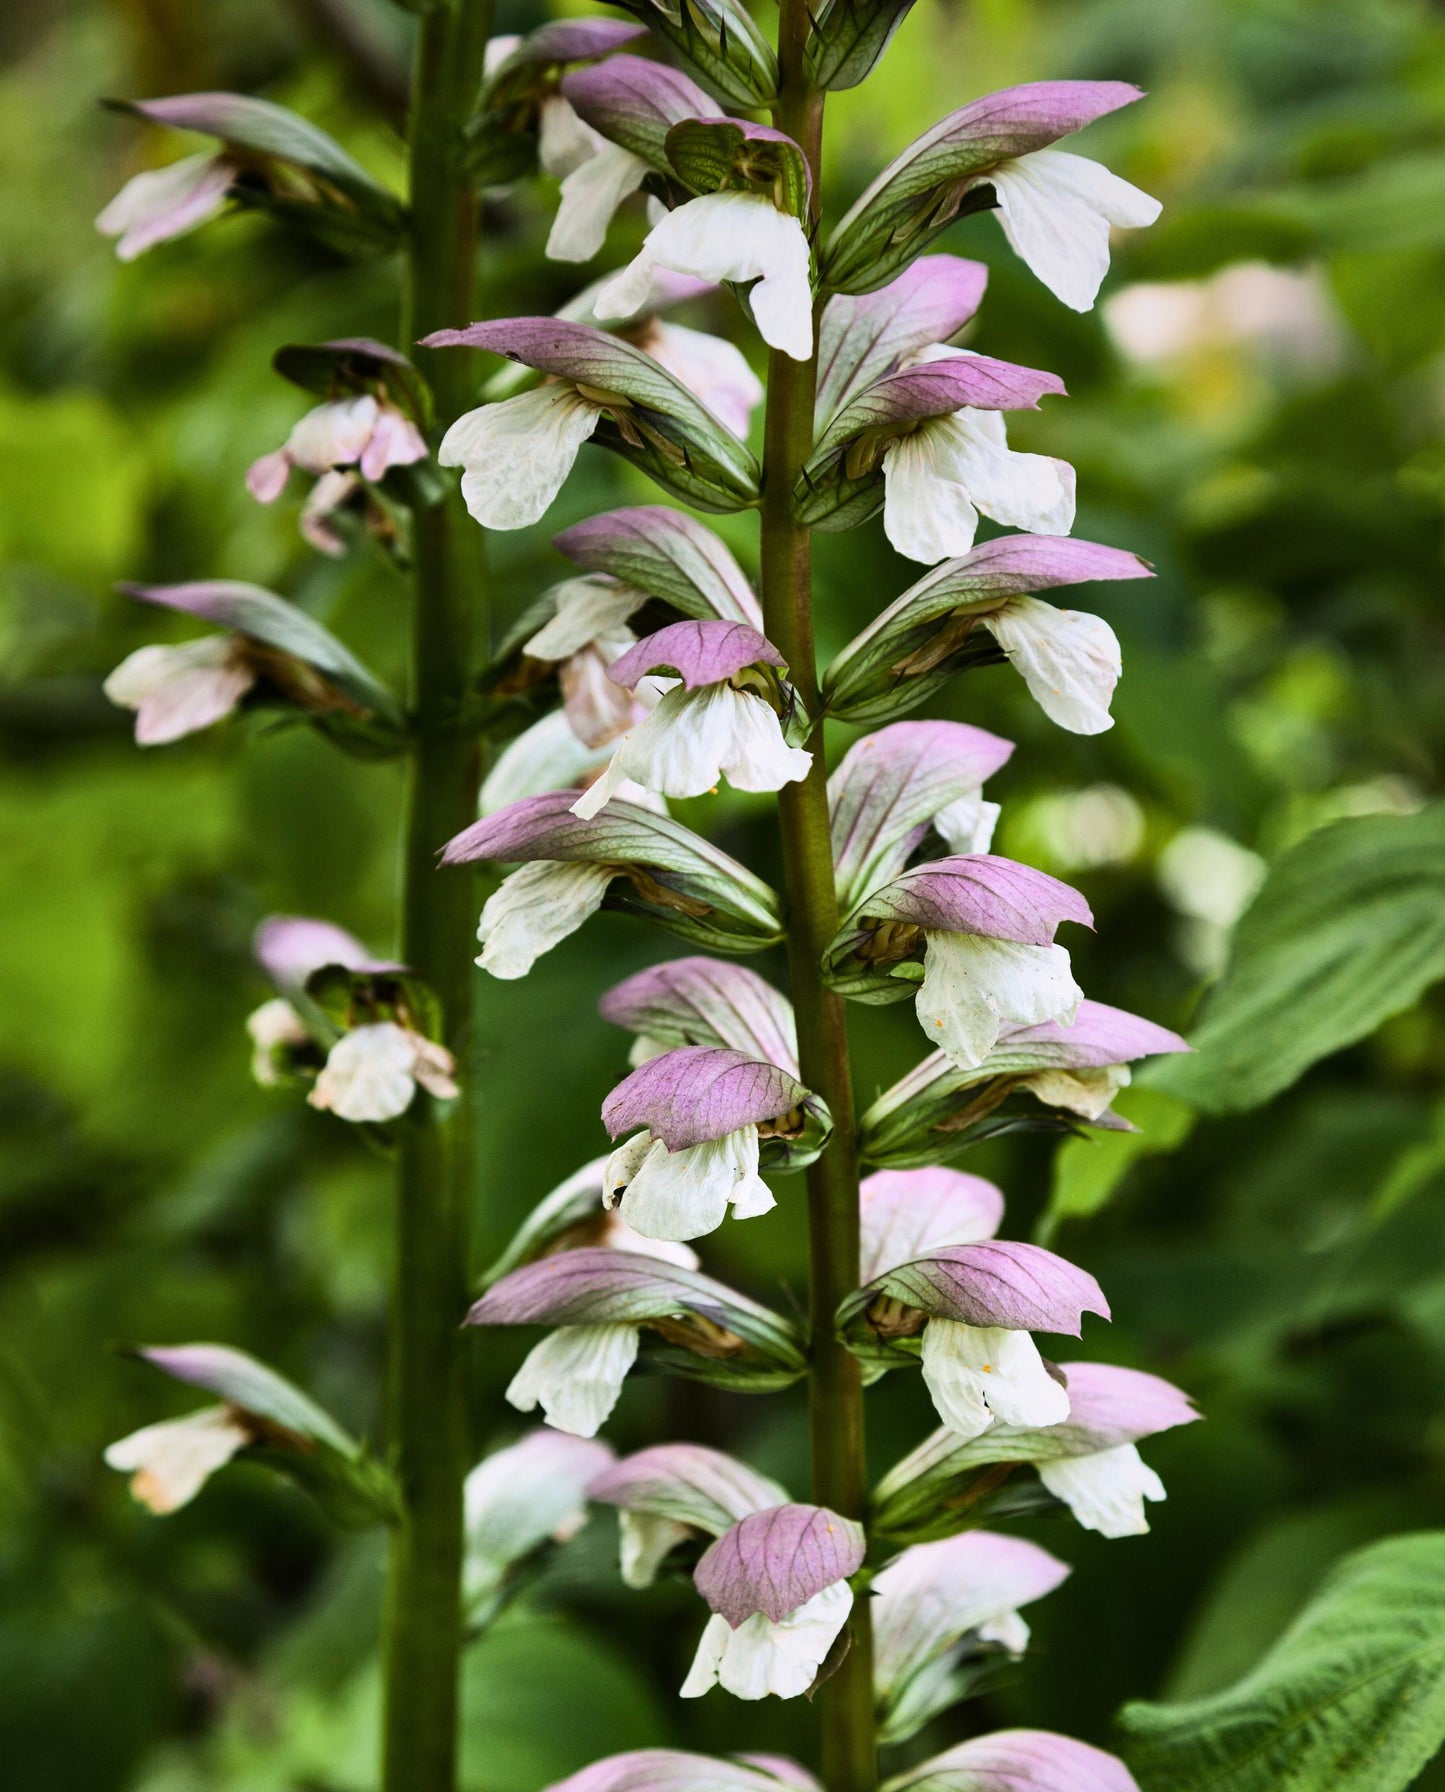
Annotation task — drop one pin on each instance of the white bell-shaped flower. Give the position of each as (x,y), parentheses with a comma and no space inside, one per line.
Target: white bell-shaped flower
(686,1193)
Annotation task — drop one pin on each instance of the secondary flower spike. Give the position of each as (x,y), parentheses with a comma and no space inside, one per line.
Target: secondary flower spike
(714,722)
(777,1583)
(703,1111)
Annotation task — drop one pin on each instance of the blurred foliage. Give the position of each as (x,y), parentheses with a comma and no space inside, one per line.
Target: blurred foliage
(1278,455)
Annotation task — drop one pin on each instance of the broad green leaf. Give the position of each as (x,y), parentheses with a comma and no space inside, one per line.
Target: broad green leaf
(1348,929)
(1351,1698)
(1089,1168)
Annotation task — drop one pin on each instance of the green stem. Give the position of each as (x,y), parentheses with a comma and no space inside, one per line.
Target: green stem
(422,1637)
(849,1749)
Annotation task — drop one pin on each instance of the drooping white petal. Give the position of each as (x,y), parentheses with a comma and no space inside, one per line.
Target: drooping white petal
(546,756)
(1105,1491)
(565,142)
(178,690)
(591,194)
(1088,1091)
(1007,1629)
(274,1024)
(166,202)
(971,984)
(169,1463)
(927,514)
(332,435)
(1026,491)
(967,825)
(758,758)
(587,610)
(976,1374)
(518,1498)
(684,1194)
(729,236)
(517,454)
(537,906)
(711,368)
(575,1375)
(1056,210)
(761,1657)
(645,1540)
(330,494)
(369,1074)
(1069,659)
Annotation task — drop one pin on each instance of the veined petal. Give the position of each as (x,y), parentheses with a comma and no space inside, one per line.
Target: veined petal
(1069,659)
(597,708)
(907,1212)
(1026,491)
(575,1375)
(761,1657)
(684,1194)
(166,202)
(927,514)
(517,454)
(971,984)
(978,1373)
(677,750)
(712,368)
(177,691)
(370,1074)
(729,236)
(169,1463)
(1105,1491)
(537,906)
(587,610)
(1056,210)
(591,194)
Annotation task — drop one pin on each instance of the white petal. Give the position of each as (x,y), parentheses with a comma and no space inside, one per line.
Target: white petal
(976,1374)
(546,756)
(1069,659)
(711,368)
(684,1194)
(758,758)
(575,1375)
(1026,491)
(1009,1629)
(645,1540)
(971,983)
(1086,1092)
(395,442)
(761,1657)
(591,194)
(619,1236)
(729,236)
(166,202)
(517,1498)
(967,825)
(171,1462)
(1056,210)
(1105,1491)
(537,906)
(597,709)
(272,1025)
(369,1074)
(517,454)
(927,514)
(587,610)
(178,690)
(565,142)
(266,478)
(623,1163)
(332,435)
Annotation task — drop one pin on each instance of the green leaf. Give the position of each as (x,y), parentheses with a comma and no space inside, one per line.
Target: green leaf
(1348,929)
(1090,1167)
(848,39)
(1351,1698)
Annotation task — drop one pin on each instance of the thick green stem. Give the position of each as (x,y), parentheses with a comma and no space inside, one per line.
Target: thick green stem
(428,1412)
(849,1750)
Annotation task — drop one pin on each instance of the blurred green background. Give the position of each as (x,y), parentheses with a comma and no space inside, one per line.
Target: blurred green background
(1266,428)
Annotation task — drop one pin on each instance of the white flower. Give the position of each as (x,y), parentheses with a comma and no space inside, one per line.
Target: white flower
(729,236)
(575,1375)
(273,1025)
(178,690)
(537,906)
(939,477)
(645,1540)
(686,1193)
(1069,659)
(373,1072)
(977,1374)
(520,1497)
(517,454)
(1056,210)
(971,984)
(586,610)
(761,1657)
(591,194)
(348,432)
(171,1462)
(1105,1491)
(713,370)
(167,202)
(1088,1092)
(695,737)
